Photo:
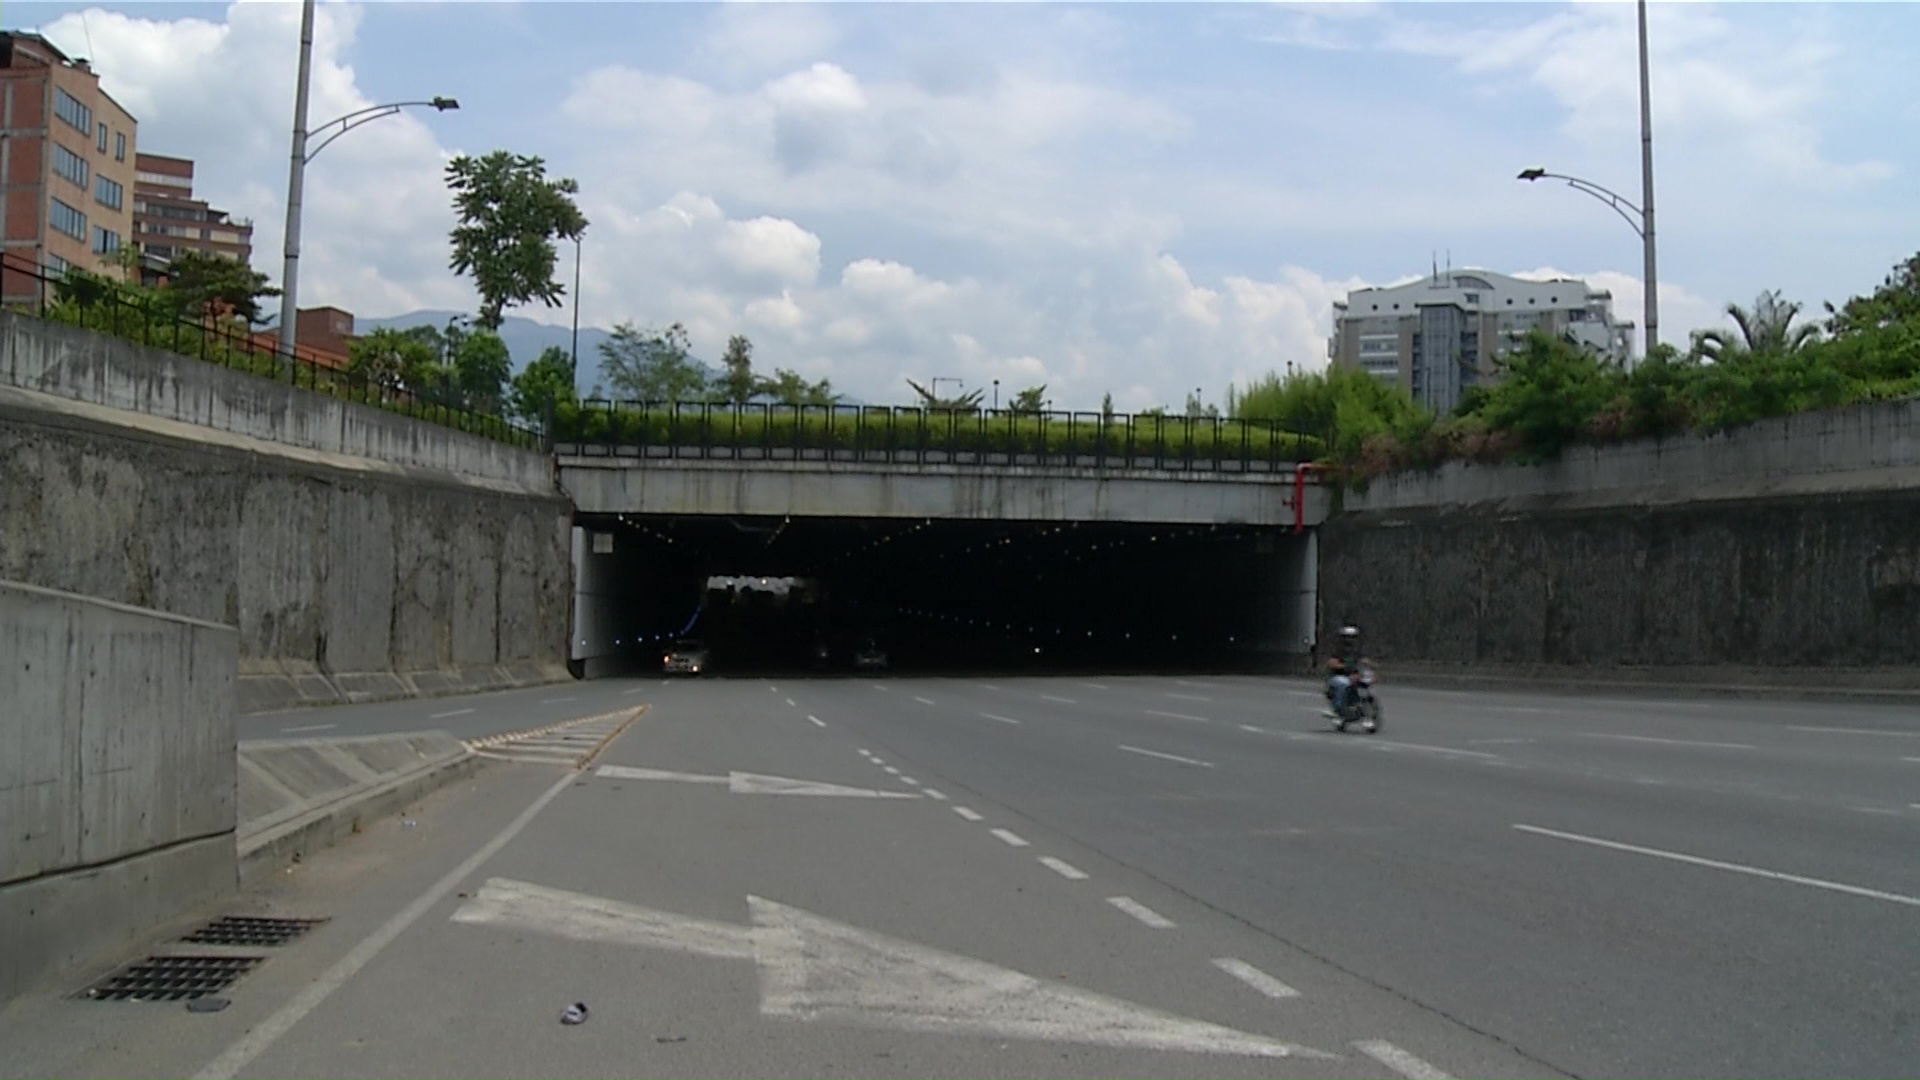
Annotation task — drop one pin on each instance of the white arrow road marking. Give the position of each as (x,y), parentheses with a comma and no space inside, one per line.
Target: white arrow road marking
(814,969)
(745,783)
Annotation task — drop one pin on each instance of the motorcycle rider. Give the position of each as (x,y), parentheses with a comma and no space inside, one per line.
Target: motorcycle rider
(1342,666)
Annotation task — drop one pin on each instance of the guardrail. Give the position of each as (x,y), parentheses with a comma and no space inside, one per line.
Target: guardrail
(98,304)
(898,435)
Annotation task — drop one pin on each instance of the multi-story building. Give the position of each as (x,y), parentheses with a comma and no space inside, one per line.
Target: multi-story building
(167,219)
(66,165)
(1441,334)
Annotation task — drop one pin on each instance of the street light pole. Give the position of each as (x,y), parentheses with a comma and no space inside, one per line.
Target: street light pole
(297,167)
(1646,189)
(296,183)
(576,312)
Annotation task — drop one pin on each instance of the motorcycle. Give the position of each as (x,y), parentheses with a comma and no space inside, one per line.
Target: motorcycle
(1362,707)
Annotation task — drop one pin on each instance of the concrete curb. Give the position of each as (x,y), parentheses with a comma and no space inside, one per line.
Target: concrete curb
(264,853)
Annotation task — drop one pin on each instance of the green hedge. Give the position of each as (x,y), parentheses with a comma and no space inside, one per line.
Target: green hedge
(908,430)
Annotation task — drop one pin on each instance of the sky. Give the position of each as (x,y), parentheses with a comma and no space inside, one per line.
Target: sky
(1126,198)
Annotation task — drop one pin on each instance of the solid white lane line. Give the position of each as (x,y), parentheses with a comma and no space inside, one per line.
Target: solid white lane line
(1498,742)
(1201,685)
(1002,719)
(451,712)
(1695,860)
(1061,700)
(1255,978)
(817,722)
(1857,731)
(880,688)
(1178,716)
(966,813)
(264,1034)
(1190,697)
(936,796)
(989,686)
(1663,742)
(1096,686)
(1399,1060)
(1141,911)
(1064,869)
(1430,749)
(1012,839)
(1168,757)
(923,701)
(314,727)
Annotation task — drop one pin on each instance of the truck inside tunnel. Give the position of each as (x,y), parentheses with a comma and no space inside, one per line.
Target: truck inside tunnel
(791,594)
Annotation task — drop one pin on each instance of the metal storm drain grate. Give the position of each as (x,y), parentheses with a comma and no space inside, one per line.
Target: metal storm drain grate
(251,931)
(171,978)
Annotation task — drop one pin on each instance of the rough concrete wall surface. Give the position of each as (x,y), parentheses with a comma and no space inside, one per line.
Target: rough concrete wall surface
(1809,584)
(81,365)
(120,773)
(342,584)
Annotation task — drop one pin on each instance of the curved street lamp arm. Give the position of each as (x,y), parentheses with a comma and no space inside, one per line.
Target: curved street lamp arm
(1631,214)
(364,116)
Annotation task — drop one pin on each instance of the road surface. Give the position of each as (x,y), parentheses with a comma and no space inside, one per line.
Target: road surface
(1101,876)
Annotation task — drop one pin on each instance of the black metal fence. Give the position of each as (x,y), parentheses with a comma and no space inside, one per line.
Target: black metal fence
(102,305)
(917,436)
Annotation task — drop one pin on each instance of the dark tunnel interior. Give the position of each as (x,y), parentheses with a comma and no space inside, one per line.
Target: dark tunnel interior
(767,595)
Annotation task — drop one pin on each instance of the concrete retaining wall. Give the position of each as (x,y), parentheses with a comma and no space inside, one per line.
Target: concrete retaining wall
(117,785)
(81,365)
(347,578)
(1658,562)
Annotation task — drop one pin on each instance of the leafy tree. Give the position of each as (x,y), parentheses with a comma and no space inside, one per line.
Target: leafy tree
(203,283)
(789,388)
(403,360)
(1106,406)
(1344,406)
(1031,400)
(548,378)
(653,365)
(1766,329)
(1551,394)
(510,213)
(1897,300)
(737,383)
(480,364)
(967,402)
(1196,409)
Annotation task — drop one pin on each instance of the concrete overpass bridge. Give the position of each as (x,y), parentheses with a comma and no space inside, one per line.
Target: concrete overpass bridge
(1065,535)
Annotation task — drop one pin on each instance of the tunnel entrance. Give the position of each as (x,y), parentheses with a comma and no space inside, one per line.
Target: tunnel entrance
(781,595)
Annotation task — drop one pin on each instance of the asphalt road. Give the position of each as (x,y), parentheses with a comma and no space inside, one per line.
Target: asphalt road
(1191,876)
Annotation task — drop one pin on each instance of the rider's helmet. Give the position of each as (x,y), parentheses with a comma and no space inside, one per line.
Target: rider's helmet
(1349,635)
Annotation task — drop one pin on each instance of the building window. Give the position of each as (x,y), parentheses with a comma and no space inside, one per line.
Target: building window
(109,192)
(70,165)
(1473,298)
(57,264)
(66,219)
(68,108)
(120,146)
(105,241)
(101,142)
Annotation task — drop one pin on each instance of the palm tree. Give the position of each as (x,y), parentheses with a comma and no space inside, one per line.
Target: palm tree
(1767,330)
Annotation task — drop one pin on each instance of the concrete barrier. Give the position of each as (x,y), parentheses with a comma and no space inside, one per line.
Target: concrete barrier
(300,795)
(117,784)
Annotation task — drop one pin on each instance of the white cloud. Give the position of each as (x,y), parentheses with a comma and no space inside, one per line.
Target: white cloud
(772,246)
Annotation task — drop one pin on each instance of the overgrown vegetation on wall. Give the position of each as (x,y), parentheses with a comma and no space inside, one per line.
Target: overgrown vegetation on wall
(1553,394)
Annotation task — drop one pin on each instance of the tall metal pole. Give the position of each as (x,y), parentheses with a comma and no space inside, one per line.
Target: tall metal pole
(576,312)
(296,182)
(1646,190)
